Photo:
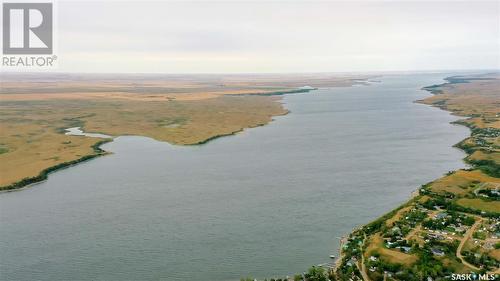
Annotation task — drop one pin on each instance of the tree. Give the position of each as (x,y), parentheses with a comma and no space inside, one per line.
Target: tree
(316,274)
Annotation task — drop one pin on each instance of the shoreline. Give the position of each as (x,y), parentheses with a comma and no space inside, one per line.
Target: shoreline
(236,131)
(434,90)
(339,260)
(43,175)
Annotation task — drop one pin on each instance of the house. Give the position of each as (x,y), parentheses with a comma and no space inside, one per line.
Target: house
(435,236)
(406,249)
(390,244)
(396,231)
(441,215)
(437,252)
(351,262)
(489,246)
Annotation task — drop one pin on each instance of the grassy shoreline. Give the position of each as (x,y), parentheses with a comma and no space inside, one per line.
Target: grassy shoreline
(97,151)
(363,235)
(355,244)
(433,89)
(43,175)
(178,109)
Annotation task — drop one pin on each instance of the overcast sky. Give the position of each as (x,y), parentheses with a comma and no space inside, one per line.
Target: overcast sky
(292,36)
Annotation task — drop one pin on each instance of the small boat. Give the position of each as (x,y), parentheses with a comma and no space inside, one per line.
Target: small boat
(332,256)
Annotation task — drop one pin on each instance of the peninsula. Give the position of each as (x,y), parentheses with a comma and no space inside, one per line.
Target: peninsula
(179,109)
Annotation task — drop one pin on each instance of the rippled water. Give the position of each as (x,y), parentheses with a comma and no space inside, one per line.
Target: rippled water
(269,201)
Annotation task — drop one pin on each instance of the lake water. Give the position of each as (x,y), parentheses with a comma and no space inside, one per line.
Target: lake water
(267,202)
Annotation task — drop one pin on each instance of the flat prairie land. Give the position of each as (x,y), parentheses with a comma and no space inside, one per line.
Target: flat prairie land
(31,148)
(179,109)
(479,155)
(33,131)
(477,97)
(160,87)
(479,204)
(462,182)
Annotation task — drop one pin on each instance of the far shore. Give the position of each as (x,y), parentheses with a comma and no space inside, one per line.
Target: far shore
(97,151)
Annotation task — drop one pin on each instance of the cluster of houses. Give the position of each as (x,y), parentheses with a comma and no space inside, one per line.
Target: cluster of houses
(442,226)
(494,228)
(436,226)
(445,223)
(480,140)
(487,236)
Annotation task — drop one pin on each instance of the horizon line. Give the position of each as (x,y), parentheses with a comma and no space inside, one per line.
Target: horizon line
(254,73)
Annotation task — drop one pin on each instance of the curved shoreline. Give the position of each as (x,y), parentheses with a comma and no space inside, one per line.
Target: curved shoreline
(43,175)
(435,90)
(234,132)
(98,151)
(341,255)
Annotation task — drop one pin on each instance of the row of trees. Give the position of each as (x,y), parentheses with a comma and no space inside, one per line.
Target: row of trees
(315,273)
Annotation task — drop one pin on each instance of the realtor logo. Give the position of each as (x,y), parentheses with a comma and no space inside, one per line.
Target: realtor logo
(27,28)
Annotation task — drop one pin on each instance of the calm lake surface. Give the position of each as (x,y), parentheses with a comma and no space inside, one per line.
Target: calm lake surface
(267,202)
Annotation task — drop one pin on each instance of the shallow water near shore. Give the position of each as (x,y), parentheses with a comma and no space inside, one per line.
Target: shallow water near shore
(270,201)
(76,131)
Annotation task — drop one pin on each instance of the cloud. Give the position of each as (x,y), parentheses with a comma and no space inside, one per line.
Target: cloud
(293,36)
